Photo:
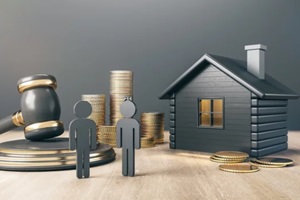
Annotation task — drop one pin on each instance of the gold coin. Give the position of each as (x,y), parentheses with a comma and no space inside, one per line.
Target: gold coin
(116,79)
(147,142)
(255,163)
(238,168)
(159,141)
(108,140)
(147,138)
(231,154)
(113,134)
(213,159)
(93,96)
(116,101)
(148,128)
(152,130)
(97,116)
(117,96)
(108,127)
(275,161)
(124,94)
(121,72)
(147,146)
(107,137)
(152,113)
(121,85)
(152,123)
(222,158)
(111,137)
(94,100)
(152,117)
(121,93)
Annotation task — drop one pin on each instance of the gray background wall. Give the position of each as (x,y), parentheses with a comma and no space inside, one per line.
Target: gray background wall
(80,41)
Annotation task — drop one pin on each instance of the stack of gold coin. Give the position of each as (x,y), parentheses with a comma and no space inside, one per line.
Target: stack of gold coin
(147,142)
(229,157)
(271,162)
(98,105)
(107,135)
(153,126)
(121,86)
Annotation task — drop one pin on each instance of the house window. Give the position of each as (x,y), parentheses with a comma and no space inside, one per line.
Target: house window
(210,113)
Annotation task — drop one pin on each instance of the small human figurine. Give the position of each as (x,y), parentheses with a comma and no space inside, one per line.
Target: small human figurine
(128,136)
(82,133)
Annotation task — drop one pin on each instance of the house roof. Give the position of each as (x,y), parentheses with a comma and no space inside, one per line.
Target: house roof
(269,88)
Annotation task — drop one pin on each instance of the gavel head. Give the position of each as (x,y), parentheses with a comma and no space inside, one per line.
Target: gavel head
(40,107)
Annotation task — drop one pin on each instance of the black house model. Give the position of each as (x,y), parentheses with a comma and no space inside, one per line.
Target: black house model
(226,104)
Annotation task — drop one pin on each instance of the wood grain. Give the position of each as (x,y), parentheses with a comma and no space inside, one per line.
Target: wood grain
(161,173)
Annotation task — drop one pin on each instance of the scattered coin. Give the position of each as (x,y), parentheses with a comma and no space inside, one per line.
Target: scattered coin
(275,161)
(239,168)
(256,163)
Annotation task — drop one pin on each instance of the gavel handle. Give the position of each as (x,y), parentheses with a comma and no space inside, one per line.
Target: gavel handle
(11,122)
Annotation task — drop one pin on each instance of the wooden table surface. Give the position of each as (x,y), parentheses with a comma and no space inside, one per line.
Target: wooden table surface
(161,173)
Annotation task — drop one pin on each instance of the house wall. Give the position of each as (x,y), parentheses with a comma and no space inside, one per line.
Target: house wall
(213,83)
(268,126)
(172,128)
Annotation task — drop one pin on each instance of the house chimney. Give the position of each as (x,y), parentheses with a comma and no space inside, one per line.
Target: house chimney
(256,60)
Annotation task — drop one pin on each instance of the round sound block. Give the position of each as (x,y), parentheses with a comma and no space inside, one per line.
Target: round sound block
(47,155)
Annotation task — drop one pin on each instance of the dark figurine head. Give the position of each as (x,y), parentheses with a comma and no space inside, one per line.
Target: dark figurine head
(82,109)
(128,108)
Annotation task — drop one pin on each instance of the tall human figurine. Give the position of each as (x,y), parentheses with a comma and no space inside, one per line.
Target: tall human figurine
(128,136)
(82,134)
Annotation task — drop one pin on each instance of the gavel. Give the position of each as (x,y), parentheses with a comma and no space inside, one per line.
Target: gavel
(40,109)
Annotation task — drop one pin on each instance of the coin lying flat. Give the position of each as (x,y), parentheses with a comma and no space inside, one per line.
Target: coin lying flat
(275,161)
(238,168)
(231,154)
(221,160)
(255,163)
